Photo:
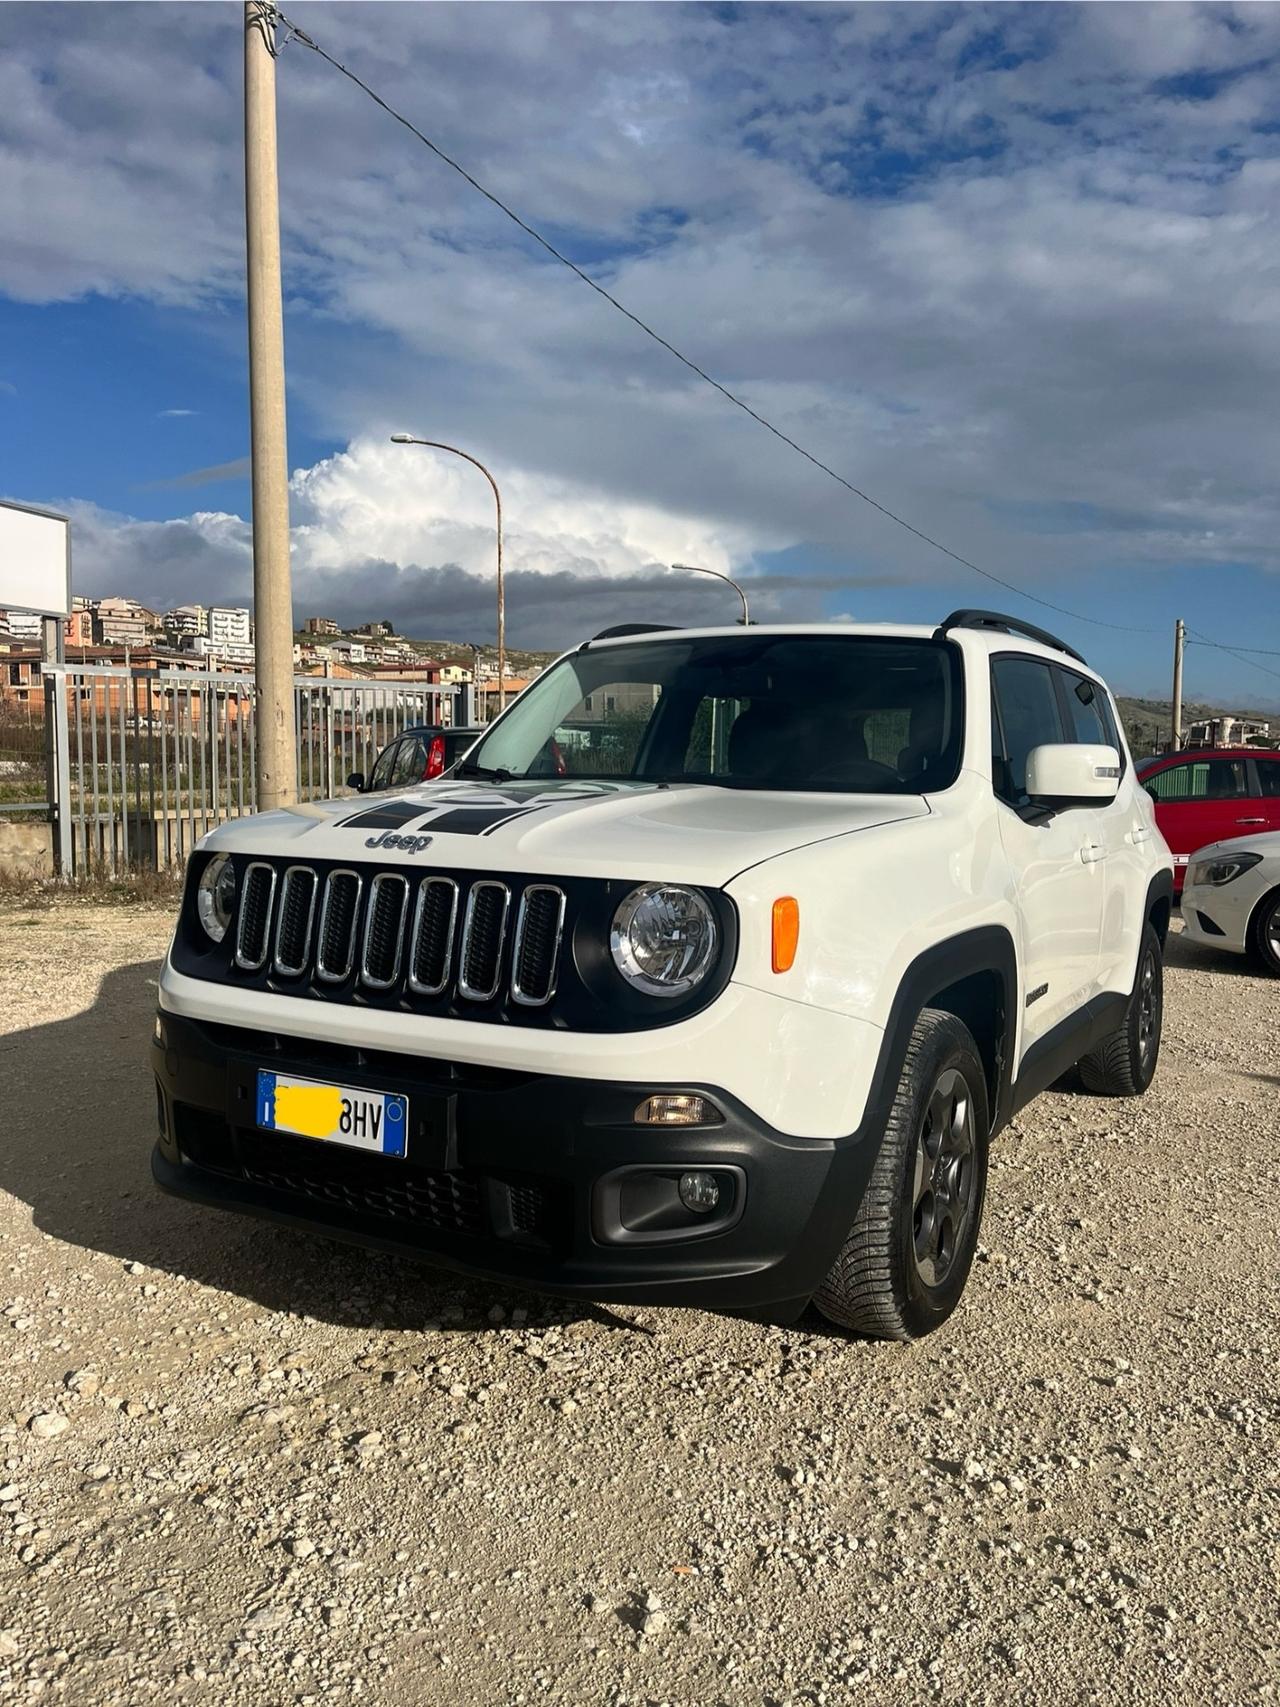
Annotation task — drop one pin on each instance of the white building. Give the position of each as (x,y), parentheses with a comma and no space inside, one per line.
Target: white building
(225,652)
(229,626)
(187,619)
(23,625)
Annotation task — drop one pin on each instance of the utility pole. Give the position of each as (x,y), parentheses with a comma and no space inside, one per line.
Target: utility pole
(1179,645)
(272,598)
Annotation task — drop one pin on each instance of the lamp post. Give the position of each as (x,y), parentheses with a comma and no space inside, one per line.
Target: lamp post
(697,569)
(436,444)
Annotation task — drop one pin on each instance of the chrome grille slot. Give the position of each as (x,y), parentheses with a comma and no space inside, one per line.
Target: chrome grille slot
(539,926)
(298,890)
(431,949)
(383,945)
(336,942)
(253,930)
(484,931)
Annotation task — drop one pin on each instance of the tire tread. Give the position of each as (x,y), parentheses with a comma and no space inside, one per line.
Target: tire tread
(860,1292)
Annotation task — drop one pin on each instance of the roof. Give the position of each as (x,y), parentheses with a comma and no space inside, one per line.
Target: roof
(982,641)
(1184,753)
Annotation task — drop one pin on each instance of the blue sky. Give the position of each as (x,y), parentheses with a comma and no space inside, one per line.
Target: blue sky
(1013,270)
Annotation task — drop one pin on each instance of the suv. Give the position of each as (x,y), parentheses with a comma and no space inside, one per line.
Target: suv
(706,979)
(1211,794)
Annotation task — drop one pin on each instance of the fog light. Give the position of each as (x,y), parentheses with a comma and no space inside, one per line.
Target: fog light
(677,1111)
(699,1192)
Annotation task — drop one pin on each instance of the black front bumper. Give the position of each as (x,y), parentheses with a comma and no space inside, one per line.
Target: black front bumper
(510,1177)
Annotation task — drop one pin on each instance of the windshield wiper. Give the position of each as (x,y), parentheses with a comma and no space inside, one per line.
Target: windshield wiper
(489,775)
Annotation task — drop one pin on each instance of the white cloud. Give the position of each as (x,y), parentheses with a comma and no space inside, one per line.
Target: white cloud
(1011,269)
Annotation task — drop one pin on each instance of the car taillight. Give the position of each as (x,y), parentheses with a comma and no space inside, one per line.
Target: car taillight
(435,758)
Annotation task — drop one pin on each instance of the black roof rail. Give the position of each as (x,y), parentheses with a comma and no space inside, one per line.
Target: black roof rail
(620,629)
(1008,625)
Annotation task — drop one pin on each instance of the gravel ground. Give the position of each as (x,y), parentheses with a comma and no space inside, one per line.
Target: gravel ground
(244,1466)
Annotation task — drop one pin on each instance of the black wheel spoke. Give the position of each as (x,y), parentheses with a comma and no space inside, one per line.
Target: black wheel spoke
(941,1189)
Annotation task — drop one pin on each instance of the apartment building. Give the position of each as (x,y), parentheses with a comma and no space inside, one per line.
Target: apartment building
(229,626)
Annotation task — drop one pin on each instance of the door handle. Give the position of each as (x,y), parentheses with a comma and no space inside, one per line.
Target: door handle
(1139,834)
(1251,820)
(1092,852)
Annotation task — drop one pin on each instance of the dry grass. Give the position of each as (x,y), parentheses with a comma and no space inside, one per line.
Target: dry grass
(126,889)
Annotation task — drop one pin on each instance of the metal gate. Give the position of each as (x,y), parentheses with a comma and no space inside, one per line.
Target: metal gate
(143,762)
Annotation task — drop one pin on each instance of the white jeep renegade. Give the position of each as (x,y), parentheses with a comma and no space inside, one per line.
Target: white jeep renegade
(706,977)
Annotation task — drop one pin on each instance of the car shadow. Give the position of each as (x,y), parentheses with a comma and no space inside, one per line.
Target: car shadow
(80,1122)
(1180,951)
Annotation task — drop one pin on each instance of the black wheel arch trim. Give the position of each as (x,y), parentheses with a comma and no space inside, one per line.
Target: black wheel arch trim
(937,969)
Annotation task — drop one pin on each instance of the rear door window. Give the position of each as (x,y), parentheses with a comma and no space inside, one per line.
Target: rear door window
(1199,779)
(411,761)
(381,777)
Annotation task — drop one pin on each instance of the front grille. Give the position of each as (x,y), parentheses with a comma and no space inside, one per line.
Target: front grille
(337,951)
(253,933)
(447,1203)
(384,930)
(465,1204)
(298,890)
(392,936)
(434,921)
(538,929)
(483,935)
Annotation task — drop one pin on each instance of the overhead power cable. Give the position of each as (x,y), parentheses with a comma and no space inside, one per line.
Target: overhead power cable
(1203,640)
(306,40)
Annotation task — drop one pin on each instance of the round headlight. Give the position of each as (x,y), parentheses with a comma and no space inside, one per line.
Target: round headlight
(216,896)
(664,939)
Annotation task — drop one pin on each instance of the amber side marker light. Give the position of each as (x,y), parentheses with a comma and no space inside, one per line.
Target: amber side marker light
(786,932)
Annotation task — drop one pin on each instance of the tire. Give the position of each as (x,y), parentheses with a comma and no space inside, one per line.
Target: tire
(1264,933)
(903,1267)
(1124,1064)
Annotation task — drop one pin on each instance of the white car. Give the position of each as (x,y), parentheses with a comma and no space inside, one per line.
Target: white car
(1232,897)
(707,978)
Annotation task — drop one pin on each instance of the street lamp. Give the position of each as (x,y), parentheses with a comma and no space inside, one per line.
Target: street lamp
(697,569)
(435,444)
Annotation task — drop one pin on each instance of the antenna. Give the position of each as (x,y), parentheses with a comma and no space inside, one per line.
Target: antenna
(697,569)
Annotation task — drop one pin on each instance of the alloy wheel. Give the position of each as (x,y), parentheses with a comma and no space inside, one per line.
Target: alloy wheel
(942,1181)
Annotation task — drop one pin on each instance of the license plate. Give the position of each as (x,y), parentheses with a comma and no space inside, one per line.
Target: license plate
(334,1114)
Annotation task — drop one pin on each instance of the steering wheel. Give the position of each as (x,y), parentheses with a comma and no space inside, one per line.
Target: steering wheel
(855,774)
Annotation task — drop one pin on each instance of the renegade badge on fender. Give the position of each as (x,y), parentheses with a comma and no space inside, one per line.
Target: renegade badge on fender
(706,978)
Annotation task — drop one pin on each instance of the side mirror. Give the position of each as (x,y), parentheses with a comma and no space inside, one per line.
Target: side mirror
(356,781)
(1075,773)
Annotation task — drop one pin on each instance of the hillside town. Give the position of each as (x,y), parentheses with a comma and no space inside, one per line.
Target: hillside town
(219,639)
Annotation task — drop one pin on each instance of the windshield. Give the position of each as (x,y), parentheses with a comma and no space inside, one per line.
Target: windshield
(846,713)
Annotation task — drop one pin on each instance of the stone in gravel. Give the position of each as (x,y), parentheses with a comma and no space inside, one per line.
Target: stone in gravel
(135,1268)
(266,1618)
(84,1381)
(597,1603)
(654,1623)
(300,1547)
(98,1472)
(48,1425)
(9,1648)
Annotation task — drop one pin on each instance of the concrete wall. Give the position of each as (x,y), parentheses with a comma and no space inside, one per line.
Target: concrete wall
(26,850)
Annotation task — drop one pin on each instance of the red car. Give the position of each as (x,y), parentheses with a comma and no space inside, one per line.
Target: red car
(1209,794)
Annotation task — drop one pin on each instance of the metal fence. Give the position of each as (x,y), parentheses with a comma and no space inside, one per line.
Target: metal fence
(143,762)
